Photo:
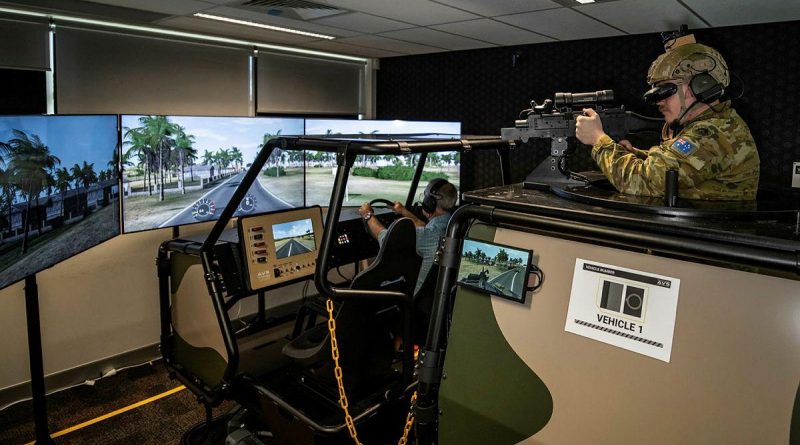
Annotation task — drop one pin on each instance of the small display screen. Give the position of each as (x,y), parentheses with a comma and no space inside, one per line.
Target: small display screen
(293,238)
(495,269)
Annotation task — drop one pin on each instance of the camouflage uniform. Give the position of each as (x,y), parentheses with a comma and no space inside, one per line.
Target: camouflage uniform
(715,156)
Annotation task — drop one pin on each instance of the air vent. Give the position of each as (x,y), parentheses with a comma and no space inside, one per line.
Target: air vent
(293,9)
(286,4)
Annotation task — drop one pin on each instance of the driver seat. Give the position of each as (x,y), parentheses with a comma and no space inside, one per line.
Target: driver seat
(364,329)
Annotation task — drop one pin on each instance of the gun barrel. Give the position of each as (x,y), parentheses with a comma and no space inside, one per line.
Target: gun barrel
(574,99)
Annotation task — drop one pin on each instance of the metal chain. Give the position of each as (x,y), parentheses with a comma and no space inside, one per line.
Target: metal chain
(337,371)
(409,421)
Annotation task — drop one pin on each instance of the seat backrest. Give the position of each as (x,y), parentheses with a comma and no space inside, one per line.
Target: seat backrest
(364,328)
(196,351)
(397,264)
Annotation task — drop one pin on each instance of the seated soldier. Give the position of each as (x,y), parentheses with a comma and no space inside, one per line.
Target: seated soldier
(439,199)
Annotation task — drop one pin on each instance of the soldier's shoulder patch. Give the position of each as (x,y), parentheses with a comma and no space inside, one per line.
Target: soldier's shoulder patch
(684,145)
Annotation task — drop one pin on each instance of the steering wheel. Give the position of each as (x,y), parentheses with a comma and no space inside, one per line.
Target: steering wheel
(385,202)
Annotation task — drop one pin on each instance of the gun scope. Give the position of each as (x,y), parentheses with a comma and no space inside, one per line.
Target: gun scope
(574,99)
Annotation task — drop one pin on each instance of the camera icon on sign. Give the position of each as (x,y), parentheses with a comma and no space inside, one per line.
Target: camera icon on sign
(623,298)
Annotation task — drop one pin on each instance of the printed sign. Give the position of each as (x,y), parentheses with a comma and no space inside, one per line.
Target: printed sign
(626,308)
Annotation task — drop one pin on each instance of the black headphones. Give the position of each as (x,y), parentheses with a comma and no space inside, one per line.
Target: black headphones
(705,88)
(431,196)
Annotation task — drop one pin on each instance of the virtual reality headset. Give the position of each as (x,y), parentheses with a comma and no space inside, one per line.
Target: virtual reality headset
(660,92)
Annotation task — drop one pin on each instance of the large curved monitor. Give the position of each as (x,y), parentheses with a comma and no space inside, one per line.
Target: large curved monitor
(181,170)
(58,190)
(386,177)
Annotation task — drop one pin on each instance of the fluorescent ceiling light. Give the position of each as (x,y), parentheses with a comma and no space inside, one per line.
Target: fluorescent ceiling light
(261,25)
(583,2)
(169,32)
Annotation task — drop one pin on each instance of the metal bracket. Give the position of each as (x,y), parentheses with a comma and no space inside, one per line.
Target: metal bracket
(428,367)
(403,146)
(450,256)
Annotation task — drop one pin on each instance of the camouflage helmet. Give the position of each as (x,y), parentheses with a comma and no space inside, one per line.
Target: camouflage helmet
(685,61)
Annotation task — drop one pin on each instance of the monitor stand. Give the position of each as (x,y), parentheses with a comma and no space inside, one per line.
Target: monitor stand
(38,393)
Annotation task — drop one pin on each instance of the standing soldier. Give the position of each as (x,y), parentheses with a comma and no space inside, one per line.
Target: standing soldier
(703,138)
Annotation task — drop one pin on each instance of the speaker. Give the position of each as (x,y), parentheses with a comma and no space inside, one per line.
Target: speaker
(705,88)
(431,196)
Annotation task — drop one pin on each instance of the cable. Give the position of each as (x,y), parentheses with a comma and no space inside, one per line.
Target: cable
(87,382)
(741,85)
(539,278)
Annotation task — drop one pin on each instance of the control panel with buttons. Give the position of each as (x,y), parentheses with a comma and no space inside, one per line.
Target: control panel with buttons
(280,246)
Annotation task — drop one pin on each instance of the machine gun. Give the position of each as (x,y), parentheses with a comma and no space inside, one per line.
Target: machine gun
(555,119)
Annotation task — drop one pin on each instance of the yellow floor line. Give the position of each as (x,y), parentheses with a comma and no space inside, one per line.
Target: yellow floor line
(113,413)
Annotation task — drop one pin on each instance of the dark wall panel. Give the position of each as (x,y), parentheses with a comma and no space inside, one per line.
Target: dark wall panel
(290,84)
(22,92)
(485,91)
(104,72)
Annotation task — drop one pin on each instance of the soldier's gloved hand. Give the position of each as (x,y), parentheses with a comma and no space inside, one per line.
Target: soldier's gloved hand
(589,128)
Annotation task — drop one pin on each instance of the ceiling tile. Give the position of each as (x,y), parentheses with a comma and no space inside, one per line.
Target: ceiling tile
(500,7)
(417,12)
(352,50)
(742,12)
(435,38)
(234,31)
(244,14)
(363,23)
(389,44)
(493,31)
(643,16)
(561,24)
(172,7)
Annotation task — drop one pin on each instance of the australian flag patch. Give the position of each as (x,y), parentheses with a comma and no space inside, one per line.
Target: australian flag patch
(684,146)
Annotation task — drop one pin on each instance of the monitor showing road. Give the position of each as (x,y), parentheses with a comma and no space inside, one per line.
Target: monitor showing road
(495,269)
(181,170)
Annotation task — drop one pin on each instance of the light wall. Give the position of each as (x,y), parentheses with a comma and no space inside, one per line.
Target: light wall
(102,305)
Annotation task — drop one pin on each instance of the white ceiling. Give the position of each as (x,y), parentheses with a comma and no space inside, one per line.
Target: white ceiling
(385,28)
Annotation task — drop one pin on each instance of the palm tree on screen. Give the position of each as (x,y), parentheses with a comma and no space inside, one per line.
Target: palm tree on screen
(236,157)
(208,157)
(159,131)
(7,193)
(191,159)
(29,167)
(63,179)
(137,140)
(275,156)
(183,145)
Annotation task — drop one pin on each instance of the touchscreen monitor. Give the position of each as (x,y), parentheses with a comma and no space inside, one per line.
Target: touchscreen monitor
(293,238)
(495,269)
